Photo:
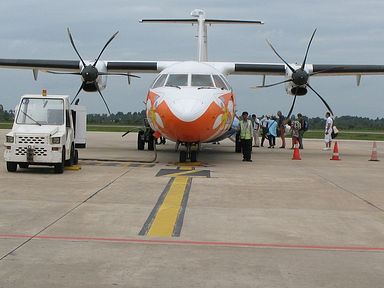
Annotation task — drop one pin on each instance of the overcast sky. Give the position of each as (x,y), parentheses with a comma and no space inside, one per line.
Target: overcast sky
(349,32)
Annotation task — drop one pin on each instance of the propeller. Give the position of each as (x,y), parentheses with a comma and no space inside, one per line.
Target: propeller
(90,73)
(300,77)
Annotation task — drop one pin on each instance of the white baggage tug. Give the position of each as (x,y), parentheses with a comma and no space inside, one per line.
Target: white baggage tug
(43,133)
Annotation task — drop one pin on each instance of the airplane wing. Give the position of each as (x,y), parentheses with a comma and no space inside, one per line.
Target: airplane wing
(297,76)
(43,65)
(76,65)
(235,68)
(314,69)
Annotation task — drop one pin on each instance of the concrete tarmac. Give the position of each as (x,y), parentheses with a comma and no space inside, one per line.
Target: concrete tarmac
(274,222)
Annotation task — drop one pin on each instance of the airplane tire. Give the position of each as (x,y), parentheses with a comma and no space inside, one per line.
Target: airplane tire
(183,156)
(193,156)
(151,143)
(140,141)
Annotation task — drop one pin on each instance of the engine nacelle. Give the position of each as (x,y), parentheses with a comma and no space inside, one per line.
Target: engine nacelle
(101,80)
(299,79)
(293,89)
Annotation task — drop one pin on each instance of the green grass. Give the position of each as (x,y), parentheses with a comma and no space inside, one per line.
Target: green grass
(348,135)
(94,127)
(311,134)
(6,125)
(112,128)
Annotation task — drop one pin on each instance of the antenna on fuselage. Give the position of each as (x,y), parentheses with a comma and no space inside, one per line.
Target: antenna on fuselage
(202,23)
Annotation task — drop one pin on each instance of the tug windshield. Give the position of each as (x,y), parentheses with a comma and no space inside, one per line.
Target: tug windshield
(45,111)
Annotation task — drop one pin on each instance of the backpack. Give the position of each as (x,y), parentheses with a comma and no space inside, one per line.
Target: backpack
(335,132)
(305,125)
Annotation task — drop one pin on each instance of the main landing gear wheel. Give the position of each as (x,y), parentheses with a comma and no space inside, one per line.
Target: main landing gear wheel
(151,142)
(140,140)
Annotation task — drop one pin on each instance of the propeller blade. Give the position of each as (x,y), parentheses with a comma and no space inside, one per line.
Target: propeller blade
(281,58)
(309,45)
(290,110)
(102,97)
(321,98)
(74,47)
(64,73)
(78,92)
(105,46)
(271,85)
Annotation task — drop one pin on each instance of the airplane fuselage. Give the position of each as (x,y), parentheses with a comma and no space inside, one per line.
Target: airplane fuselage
(190,102)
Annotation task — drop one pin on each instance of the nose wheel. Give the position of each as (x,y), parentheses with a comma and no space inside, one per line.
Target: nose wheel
(189,153)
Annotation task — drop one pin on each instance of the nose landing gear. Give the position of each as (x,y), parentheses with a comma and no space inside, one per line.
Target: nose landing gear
(189,152)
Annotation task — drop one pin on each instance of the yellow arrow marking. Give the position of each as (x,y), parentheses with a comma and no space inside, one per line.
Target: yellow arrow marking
(164,222)
(183,173)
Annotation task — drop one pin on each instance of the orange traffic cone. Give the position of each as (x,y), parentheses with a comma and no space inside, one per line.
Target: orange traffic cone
(296,153)
(335,155)
(374,152)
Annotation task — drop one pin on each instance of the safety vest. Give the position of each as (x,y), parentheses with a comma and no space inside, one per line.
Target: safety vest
(246,130)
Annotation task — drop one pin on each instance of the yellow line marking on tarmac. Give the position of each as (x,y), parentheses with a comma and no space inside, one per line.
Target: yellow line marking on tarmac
(189,164)
(180,174)
(164,222)
(73,167)
(186,168)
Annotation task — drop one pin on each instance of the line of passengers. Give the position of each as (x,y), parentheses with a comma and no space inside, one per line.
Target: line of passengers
(272,126)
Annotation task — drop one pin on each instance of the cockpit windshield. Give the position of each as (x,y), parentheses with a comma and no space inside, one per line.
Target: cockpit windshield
(219,82)
(41,112)
(202,81)
(177,80)
(198,80)
(159,82)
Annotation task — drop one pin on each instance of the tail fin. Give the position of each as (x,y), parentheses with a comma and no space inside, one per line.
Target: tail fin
(202,23)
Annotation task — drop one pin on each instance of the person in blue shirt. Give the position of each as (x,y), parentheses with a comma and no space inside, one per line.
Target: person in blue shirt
(272,127)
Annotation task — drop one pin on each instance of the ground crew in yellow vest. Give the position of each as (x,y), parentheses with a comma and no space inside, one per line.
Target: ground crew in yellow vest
(246,128)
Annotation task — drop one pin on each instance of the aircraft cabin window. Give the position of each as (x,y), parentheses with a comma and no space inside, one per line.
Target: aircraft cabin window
(201,80)
(159,82)
(219,82)
(177,80)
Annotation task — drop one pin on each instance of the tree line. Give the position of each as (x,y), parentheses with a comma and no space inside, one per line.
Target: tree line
(137,118)
(349,123)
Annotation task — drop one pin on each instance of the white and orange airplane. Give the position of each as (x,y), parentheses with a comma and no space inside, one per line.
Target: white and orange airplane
(192,102)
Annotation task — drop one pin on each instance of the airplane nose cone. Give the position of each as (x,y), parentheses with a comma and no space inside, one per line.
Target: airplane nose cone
(188,109)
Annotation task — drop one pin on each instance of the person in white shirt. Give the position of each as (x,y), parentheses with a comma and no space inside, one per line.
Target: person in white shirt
(328,131)
(256,128)
(264,129)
